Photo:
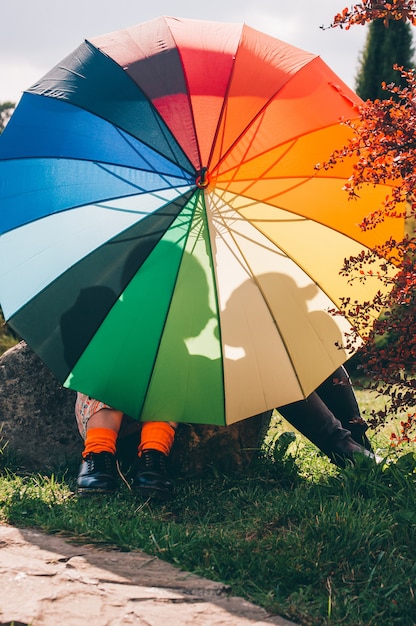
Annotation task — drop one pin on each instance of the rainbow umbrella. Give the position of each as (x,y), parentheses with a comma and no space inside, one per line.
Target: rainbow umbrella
(167,245)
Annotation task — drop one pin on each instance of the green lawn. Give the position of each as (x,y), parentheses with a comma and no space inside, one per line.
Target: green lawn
(294,534)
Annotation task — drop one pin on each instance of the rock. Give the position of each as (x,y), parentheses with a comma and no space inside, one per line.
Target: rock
(36,412)
(38,424)
(200,448)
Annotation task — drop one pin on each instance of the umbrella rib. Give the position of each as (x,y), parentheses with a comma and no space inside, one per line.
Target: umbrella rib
(187,93)
(283,251)
(152,369)
(260,112)
(270,167)
(300,217)
(246,266)
(224,103)
(161,124)
(105,169)
(126,136)
(172,156)
(292,141)
(101,204)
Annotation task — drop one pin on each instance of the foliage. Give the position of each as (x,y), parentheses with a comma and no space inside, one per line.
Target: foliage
(383,151)
(6,110)
(383,148)
(388,10)
(8,339)
(384,48)
(293,534)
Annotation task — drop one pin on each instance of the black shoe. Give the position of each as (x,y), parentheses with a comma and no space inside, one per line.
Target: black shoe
(151,476)
(97,474)
(347,450)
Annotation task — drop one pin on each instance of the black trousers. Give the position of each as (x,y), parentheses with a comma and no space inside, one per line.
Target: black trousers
(330,417)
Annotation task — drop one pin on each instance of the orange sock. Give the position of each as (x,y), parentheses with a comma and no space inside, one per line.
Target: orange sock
(100,440)
(157,436)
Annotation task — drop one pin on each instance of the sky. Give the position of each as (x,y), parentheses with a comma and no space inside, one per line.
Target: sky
(37,34)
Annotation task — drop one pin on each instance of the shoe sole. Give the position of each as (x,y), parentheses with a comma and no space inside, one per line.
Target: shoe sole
(85,493)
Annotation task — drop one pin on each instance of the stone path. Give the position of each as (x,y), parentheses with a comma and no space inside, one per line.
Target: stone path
(47,581)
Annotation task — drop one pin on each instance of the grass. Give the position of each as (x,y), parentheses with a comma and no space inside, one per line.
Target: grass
(294,534)
(7,338)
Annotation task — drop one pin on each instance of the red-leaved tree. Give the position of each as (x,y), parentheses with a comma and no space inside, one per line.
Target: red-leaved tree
(383,145)
(364,12)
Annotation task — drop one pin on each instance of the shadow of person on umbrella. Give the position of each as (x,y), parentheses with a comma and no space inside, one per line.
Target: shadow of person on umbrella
(79,323)
(273,360)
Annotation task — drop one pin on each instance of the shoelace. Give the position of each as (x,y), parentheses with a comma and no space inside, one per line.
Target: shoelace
(154,462)
(102,462)
(91,461)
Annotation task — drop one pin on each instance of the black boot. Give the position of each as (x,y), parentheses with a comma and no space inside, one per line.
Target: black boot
(338,394)
(98,474)
(151,478)
(316,422)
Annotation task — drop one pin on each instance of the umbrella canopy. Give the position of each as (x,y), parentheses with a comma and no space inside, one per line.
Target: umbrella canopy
(167,245)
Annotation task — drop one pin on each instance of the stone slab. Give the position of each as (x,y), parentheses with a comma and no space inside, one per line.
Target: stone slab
(46,580)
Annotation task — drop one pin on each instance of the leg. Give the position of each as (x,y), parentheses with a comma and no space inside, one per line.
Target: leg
(106,418)
(99,424)
(315,421)
(338,394)
(151,478)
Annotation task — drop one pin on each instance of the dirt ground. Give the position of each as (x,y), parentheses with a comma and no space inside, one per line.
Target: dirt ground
(48,581)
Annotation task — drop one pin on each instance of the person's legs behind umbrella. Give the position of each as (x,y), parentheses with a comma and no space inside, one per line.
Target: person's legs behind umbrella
(99,425)
(331,419)
(338,394)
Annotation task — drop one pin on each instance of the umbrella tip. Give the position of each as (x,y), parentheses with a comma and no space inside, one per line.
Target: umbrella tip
(202,180)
